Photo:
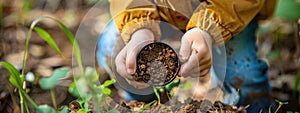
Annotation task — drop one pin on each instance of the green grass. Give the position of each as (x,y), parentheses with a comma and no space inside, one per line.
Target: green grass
(86,81)
(17,79)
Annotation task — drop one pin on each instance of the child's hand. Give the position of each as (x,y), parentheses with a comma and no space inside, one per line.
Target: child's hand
(126,59)
(195,53)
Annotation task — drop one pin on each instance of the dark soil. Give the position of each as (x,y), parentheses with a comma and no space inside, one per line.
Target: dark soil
(157,64)
(204,106)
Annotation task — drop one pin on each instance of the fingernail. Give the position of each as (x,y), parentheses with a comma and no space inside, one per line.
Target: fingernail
(130,71)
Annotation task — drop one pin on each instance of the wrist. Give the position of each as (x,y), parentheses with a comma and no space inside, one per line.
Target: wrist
(142,35)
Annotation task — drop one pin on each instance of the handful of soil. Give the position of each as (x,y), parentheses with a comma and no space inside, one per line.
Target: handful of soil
(157,64)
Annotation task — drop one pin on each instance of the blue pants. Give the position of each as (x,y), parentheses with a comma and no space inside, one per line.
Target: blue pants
(244,71)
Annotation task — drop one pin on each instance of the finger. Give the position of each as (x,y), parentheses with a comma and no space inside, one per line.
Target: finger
(131,60)
(198,72)
(189,65)
(204,79)
(204,64)
(120,64)
(204,72)
(185,49)
(204,75)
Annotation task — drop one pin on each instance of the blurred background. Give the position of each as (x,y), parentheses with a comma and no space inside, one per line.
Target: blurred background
(278,43)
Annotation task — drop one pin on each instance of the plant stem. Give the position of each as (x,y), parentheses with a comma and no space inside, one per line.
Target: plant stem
(26,107)
(29,99)
(279,106)
(21,101)
(53,98)
(25,51)
(23,71)
(157,95)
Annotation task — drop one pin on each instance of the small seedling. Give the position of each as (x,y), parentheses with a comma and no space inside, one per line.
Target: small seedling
(279,106)
(50,82)
(157,93)
(85,88)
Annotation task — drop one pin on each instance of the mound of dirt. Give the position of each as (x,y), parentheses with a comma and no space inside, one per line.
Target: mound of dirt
(192,106)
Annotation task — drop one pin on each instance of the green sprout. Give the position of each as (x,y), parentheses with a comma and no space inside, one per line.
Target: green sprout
(279,106)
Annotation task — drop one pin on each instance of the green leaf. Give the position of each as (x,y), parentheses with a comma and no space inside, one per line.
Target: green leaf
(82,88)
(81,111)
(45,109)
(278,101)
(14,82)
(74,43)
(109,82)
(83,104)
(14,78)
(47,37)
(73,90)
(107,91)
(64,110)
(51,82)
(91,74)
(67,32)
(113,111)
(173,84)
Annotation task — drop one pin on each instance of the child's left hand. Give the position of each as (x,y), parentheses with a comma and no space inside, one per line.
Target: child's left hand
(195,53)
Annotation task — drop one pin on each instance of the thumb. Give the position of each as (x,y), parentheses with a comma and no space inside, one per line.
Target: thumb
(185,49)
(131,61)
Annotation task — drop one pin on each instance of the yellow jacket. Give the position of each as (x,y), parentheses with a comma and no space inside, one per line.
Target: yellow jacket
(222,19)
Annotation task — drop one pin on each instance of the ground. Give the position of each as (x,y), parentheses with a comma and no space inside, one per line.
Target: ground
(278,44)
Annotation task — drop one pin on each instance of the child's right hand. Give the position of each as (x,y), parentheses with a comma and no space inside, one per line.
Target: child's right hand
(126,59)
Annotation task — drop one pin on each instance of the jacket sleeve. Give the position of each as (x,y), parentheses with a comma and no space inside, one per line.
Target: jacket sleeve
(136,15)
(222,19)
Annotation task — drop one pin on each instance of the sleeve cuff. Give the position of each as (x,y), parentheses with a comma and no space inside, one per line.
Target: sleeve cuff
(206,21)
(135,25)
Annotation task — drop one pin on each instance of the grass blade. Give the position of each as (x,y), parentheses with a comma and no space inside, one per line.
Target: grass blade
(14,78)
(70,36)
(47,37)
(146,106)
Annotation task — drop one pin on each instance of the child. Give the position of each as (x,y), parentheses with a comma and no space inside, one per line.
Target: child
(207,24)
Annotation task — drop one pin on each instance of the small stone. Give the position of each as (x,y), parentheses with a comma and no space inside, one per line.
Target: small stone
(29,77)
(53,61)
(16,59)
(37,51)
(44,71)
